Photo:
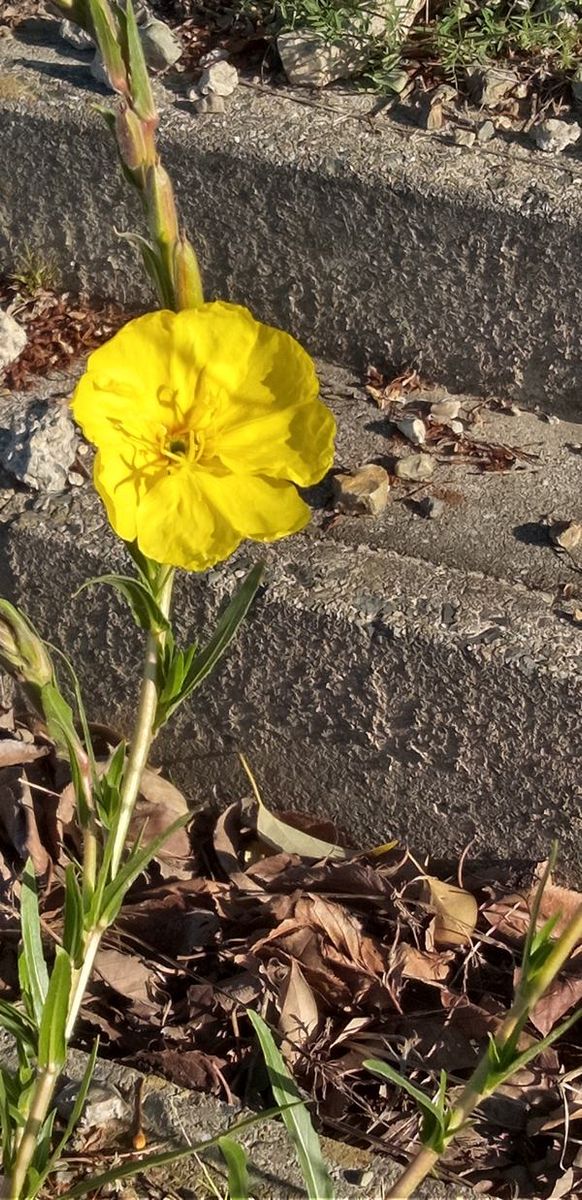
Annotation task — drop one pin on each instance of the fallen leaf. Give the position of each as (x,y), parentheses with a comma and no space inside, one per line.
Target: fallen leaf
(279,836)
(18,819)
(14,752)
(126,974)
(407,962)
(158,805)
(563,994)
(455,912)
(298,1013)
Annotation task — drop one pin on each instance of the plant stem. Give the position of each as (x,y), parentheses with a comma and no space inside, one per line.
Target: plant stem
(41,1099)
(476,1088)
(12,1188)
(143,731)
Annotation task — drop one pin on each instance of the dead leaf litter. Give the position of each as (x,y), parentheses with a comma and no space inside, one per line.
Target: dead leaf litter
(348,955)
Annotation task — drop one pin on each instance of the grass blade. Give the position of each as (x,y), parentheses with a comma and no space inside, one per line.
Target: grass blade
(236,1160)
(295,1115)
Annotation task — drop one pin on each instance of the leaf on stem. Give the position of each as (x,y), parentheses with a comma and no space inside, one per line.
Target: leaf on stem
(52,1049)
(295,1114)
(236,1160)
(34,977)
(145,610)
(204,662)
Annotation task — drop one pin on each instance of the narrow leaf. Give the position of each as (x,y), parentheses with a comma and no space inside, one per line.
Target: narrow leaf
(115,891)
(15,1022)
(296,1116)
(140,86)
(144,608)
(106,33)
(52,1050)
(145,1163)
(426,1105)
(206,660)
(36,969)
(73,914)
(236,1160)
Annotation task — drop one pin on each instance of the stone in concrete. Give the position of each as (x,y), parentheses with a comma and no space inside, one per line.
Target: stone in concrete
(12,340)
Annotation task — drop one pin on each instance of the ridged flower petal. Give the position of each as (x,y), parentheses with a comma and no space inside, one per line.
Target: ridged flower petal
(204,422)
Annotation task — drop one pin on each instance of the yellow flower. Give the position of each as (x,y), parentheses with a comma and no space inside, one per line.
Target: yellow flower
(204,421)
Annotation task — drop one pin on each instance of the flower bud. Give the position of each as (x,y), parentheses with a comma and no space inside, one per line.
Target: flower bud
(160,205)
(130,138)
(22,653)
(186,275)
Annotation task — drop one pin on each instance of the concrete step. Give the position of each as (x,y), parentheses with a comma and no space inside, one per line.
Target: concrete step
(384,675)
(368,239)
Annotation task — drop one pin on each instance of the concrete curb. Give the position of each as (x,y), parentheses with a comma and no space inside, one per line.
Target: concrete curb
(175,1116)
(408,699)
(370,241)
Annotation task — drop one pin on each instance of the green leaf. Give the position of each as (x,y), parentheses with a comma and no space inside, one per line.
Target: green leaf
(145,1163)
(204,662)
(52,1049)
(107,35)
(35,966)
(144,608)
(73,915)
(434,1117)
(140,86)
(16,1022)
(236,1160)
(296,1116)
(61,726)
(109,786)
(113,894)
(503,1066)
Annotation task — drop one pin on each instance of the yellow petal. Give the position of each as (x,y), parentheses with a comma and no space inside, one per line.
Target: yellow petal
(176,525)
(258,508)
(133,382)
(121,480)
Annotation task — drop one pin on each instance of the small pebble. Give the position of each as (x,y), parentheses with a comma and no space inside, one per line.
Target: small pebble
(554,136)
(567,534)
(457,427)
(415,467)
(76,479)
(445,410)
(486,131)
(209,104)
(362,491)
(221,78)
(464,137)
(413,428)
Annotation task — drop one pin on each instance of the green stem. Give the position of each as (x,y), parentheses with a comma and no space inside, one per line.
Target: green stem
(12,1187)
(144,729)
(477,1087)
(40,1104)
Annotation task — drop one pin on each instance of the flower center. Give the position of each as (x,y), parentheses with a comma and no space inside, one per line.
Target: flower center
(182,445)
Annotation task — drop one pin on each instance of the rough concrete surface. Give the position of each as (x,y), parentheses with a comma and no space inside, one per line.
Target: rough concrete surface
(372,241)
(392,683)
(174,1116)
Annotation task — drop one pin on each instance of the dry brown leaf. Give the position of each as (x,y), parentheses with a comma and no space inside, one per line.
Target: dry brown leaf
(562,995)
(406,962)
(455,910)
(298,1013)
(126,974)
(17,817)
(14,752)
(159,804)
(227,842)
(276,834)
(510,915)
(190,1069)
